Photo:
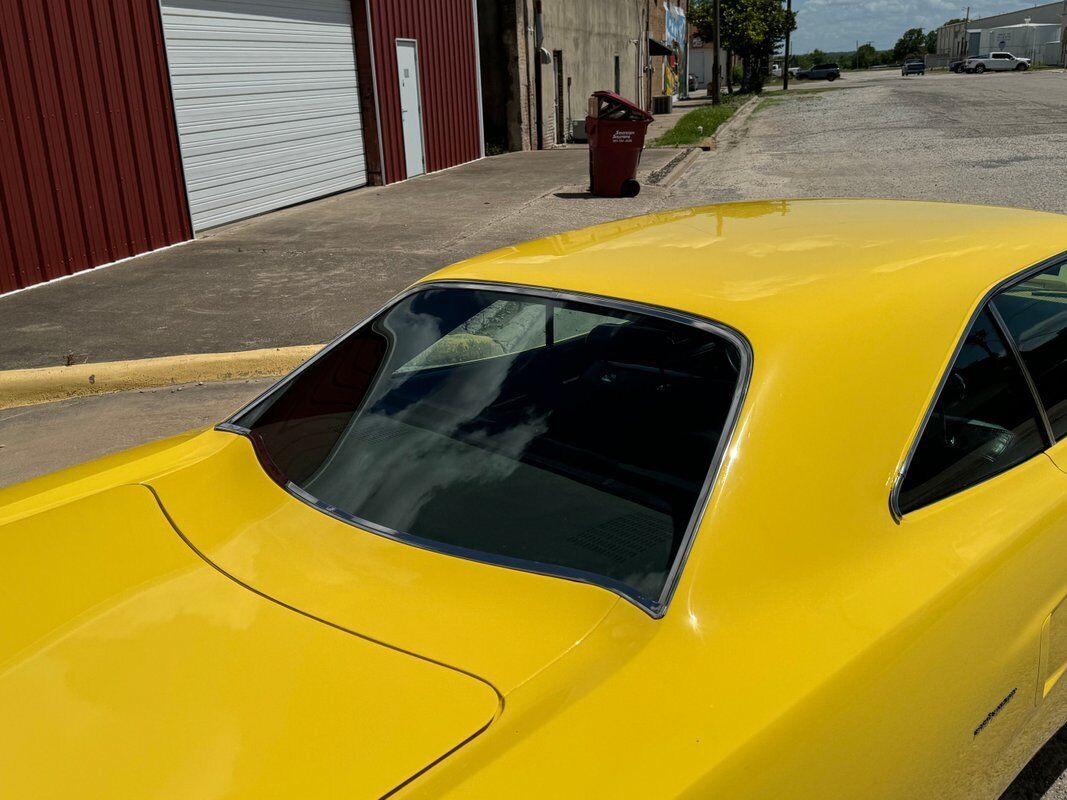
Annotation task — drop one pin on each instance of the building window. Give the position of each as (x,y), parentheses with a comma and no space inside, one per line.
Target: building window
(618,76)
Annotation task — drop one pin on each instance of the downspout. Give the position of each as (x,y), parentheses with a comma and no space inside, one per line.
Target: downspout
(526,42)
(478,78)
(539,38)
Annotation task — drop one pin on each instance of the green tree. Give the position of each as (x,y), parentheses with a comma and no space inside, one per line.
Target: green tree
(866,56)
(912,43)
(931,41)
(753,29)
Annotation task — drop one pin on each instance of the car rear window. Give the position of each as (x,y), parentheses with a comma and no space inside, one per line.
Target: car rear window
(565,436)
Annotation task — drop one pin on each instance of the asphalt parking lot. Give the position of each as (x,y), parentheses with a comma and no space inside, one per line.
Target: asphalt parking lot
(996,139)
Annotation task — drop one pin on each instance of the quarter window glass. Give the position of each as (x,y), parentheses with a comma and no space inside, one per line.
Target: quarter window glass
(1035,312)
(984,422)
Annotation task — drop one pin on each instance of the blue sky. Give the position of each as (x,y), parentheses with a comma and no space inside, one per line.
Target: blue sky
(837,24)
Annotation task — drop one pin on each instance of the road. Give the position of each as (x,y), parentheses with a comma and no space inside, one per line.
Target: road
(998,139)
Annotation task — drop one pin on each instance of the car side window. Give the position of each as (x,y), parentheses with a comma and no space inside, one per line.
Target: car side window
(984,422)
(1035,313)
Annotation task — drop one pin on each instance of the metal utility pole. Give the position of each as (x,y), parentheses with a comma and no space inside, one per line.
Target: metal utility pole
(716,67)
(785,67)
(684,95)
(965,41)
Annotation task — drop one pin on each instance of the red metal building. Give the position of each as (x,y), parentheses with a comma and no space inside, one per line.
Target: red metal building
(128,125)
(444,34)
(89,165)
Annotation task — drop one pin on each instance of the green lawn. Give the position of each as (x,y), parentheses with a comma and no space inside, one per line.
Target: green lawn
(688,129)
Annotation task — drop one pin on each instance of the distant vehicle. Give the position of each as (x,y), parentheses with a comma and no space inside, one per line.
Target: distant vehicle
(820,72)
(776,70)
(996,62)
(913,67)
(793,71)
(957,65)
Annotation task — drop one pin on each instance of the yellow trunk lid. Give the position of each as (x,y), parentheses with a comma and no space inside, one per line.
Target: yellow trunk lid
(131,668)
(501,624)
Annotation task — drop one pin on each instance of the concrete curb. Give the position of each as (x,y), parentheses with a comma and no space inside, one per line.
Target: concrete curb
(27,387)
(737,118)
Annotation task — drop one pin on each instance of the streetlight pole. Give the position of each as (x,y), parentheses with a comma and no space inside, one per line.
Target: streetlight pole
(785,66)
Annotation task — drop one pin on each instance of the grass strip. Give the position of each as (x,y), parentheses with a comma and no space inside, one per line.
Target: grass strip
(700,123)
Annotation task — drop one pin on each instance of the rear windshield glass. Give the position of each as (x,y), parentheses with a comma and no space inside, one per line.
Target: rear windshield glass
(571,438)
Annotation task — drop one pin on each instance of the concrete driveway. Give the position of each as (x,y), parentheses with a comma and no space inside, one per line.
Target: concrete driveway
(998,139)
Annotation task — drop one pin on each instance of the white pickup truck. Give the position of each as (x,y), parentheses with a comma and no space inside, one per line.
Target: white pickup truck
(1003,62)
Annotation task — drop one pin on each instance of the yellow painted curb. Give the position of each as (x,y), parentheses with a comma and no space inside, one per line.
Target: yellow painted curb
(27,387)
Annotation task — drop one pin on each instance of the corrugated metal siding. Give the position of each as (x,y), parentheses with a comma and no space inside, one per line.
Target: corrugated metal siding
(448,79)
(89,167)
(267,102)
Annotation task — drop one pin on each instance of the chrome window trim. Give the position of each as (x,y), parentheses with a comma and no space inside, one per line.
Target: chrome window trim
(654,607)
(894,495)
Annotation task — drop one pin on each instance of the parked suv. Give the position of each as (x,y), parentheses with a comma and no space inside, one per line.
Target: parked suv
(829,72)
(998,62)
(913,67)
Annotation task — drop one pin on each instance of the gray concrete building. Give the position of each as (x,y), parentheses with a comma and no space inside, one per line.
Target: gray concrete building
(585,46)
(1037,32)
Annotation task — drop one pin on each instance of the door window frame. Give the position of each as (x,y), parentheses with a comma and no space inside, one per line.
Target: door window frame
(1012,346)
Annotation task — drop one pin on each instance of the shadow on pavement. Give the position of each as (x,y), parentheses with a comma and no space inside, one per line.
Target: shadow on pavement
(1042,772)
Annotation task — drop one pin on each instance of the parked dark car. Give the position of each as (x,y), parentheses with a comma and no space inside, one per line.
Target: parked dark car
(821,72)
(957,65)
(913,67)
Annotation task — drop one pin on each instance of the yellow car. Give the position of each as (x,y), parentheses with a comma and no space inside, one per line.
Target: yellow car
(757,500)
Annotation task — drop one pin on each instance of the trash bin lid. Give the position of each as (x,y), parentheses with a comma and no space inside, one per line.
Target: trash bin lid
(614,106)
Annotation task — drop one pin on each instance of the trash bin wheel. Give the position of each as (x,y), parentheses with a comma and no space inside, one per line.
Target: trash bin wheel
(630,188)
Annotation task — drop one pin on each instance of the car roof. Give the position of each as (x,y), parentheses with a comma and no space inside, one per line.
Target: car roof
(852,308)
(748,263)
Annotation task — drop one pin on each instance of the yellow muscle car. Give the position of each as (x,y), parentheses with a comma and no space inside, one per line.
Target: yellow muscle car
(757,500)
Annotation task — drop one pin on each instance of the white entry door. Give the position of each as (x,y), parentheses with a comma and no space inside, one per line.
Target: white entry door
(407,66)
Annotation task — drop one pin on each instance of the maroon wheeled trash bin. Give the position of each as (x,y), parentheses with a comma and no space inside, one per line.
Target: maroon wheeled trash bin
(616,131)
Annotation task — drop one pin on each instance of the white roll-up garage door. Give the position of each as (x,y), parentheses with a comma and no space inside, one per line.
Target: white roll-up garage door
(266,101)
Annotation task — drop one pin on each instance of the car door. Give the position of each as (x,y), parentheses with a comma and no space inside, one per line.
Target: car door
(1002,62)
(982,484)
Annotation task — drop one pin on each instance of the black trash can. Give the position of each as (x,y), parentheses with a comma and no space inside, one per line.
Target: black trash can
(616,130)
